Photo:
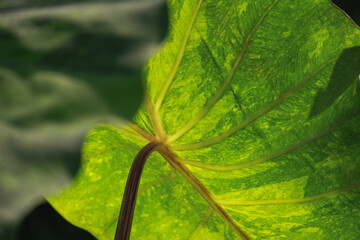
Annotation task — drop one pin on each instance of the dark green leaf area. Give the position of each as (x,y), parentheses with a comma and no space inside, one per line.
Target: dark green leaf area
(344,75)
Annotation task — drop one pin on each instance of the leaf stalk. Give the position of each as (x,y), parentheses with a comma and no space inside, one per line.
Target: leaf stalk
(123,228)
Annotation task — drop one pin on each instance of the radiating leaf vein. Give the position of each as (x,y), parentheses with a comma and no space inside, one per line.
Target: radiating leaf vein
(254,116)
(289,200)
(172,158)
(225,84)
(202,223)
(172,175)
(289,149)
(109,148)
(178,59)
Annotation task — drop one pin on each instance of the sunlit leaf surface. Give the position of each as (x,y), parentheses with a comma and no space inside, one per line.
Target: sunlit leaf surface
(257,106)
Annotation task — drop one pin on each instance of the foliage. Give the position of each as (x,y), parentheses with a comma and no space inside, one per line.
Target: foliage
(258,111)
(257,106)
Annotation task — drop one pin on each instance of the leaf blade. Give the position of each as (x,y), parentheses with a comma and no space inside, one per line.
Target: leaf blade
(286,63)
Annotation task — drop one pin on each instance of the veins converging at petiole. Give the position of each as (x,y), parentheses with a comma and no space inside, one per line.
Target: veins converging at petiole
(123,229)
(162,143)
(172,159)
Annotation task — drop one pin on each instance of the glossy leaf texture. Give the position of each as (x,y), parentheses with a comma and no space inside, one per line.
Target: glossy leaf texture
(64,66)
(257,106)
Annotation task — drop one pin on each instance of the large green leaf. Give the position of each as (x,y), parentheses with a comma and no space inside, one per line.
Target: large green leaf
(63,67)
(257,105)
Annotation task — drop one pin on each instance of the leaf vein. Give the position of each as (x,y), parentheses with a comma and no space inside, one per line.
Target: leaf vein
(225,84)
(268,157)
(172,159)
(202,223)
(254,116)
(289,200)
(178,59)
(172,175)
(108,148)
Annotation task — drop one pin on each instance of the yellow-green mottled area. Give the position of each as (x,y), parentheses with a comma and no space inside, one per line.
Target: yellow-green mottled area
(257,100)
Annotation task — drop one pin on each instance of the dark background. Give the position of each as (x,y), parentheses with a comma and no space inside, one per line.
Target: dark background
(44,223)
(351,7)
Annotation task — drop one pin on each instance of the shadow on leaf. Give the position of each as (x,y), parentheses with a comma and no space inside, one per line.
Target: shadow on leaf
(344,74)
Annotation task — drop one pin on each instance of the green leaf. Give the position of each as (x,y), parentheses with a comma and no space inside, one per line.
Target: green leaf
(342,70)
(259,125)
(62,68)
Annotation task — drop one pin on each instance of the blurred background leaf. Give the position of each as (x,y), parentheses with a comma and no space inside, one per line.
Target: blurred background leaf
(64,66)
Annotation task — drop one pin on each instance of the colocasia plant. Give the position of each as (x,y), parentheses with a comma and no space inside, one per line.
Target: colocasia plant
(250,126)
